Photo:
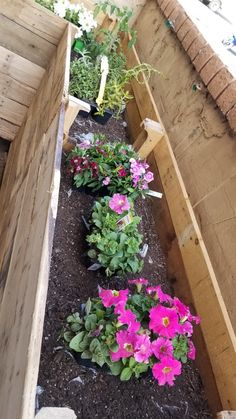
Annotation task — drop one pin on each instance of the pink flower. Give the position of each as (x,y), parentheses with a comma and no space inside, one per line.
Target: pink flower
(129,318)
(191,350)
(122,172)
(195,319)
(164,321)
(119,203)
(181,308)
(144,186)
(126,342)
(106,181)
(142,281)
(142,348)
(186,328)
(162,347)
(113,297)
(166,370)
(158,294)
(149,177)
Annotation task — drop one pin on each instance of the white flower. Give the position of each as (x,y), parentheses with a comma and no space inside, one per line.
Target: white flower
(79,33)
(60,8)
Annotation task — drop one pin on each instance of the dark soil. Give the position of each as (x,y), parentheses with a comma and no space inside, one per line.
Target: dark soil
(92,392)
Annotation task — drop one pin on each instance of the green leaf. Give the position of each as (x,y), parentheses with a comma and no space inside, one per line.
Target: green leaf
(99,359)
(86,354)
(132,362)
(76,341)
(126,374)
(91,322)
(75,327)
(100,314)
(92,254)
(68,336)
(88,306)
(95,346)
(115,367)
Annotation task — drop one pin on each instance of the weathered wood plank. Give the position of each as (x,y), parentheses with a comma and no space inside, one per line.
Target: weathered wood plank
(8,130)
(20,69)
(25,43)
(13,89)
(12,111)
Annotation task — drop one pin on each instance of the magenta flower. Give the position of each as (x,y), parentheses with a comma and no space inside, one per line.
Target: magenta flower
(162,347)
(166,370)
(126,342)
(186,328)
(142,281)
(119,203)
(142,348)
(122,172)
(113,297)
(159,294)
(181,308)
(148,177)
(195,319)
(164,321)
(191,351)
(129,318)
(106,181)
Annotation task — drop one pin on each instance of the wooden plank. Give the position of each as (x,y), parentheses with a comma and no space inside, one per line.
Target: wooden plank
(25,43)
(217,329)
(20,69)
(8,130)
(227,414)
(12,111)
(154,135)
(37,19)
(12,89)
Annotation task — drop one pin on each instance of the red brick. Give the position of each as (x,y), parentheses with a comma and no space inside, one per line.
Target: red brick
(180,19)
(190,37)
(203,57)
(185,28)
(219,83)
(211,69)
(171,6)
(228,98)
(196,46)
(231,116)
(176,12)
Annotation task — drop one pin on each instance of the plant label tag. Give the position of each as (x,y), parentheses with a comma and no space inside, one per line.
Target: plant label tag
(154,193)
(123,222)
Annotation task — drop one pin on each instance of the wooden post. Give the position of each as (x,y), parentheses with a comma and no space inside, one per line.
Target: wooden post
(154,133)
(73,107)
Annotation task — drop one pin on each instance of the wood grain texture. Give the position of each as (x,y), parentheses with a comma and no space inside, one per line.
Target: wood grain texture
(217,328)
(28,201)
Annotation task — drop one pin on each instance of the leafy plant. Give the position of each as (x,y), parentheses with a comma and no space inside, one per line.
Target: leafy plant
(123,16)
(114,165)
(113,244)
(49,4)
(132,332)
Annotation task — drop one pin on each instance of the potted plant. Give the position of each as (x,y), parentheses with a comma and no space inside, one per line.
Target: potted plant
(132,332)
(114,238)
(111,166)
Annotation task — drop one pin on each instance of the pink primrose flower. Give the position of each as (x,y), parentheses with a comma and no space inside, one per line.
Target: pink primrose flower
(162,347)
(148,177)
(166,370)
(144,186)
(191,351)
(181,308)
(119,203)
(142,348)
(113,297)
(106,181)
(159,294)
(164,321)
(195,319)
(126,342)
(85,145)
(141,281)
(186,328)
(122,172)
(129,318)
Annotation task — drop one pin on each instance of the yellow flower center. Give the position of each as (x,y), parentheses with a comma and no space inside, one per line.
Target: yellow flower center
(128,347)
(115,293)
(121,202)
(165,321)
(166,370)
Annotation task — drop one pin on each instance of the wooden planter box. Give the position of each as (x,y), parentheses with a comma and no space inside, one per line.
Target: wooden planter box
(35,64)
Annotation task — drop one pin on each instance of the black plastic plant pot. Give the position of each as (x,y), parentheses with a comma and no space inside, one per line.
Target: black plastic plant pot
(83,113)
(101,119)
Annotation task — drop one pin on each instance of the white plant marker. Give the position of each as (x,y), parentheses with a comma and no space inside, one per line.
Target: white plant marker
(104,72)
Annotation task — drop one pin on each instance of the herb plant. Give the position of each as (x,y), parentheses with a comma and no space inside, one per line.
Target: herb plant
(132,332)
(114,165)
(115,243)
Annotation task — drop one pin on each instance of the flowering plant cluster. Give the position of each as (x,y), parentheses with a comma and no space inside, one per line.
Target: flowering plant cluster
(132,332)
(74,12)
(115,245)
(114,165)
